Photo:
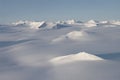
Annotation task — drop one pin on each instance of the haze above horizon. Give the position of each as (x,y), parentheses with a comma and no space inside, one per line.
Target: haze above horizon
(53,10)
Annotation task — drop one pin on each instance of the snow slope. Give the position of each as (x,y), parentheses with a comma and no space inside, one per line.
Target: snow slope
(90,23)
(31,24)
(82,56)
(73,35)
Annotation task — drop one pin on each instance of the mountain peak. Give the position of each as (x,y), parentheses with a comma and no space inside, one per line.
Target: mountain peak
(72,21)
(91,21)
(82,56)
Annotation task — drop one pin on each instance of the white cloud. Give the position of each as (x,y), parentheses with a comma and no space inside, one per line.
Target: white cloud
(27,54)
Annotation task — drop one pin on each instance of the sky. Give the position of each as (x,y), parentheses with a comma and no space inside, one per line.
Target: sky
(54,10)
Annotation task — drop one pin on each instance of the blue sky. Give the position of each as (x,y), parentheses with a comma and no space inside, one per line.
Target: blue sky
(52,10)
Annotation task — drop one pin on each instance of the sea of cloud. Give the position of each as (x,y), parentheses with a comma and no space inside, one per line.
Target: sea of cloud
(64,50)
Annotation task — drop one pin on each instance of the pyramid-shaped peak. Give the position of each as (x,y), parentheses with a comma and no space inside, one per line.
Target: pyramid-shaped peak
(82,56)
(87,56)
(72,21)
(92,21)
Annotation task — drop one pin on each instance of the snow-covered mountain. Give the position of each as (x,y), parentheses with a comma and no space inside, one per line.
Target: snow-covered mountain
(73,35)
(31,24)
(82,56)
(35,50)
(90,23)
(63,24)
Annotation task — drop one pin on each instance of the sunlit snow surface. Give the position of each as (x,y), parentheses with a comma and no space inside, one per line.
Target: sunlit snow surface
(63,50)
(82,56)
